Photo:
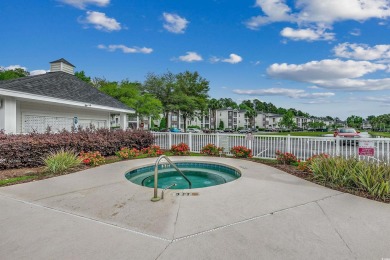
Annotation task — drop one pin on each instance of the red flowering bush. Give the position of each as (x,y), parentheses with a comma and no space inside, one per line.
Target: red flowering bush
(126,153)
(241,152)
(306,166)
(211,150)
(180,149)
(152,151)
(92,158)
(285,158)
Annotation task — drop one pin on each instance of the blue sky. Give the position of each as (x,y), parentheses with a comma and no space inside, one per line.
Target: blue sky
(322,57)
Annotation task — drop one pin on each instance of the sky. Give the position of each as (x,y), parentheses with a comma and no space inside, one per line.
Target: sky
(322,57)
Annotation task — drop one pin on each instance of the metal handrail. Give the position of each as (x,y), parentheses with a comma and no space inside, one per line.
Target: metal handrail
(155,197)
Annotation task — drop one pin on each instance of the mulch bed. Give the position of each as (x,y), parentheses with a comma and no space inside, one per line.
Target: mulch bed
(309,177)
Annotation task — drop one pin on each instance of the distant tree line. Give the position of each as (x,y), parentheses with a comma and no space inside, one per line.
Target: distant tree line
(188,92)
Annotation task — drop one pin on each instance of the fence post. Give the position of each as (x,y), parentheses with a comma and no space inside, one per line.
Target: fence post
(217,140)
(190,141)
(169,140)
(337,145)
(288,143)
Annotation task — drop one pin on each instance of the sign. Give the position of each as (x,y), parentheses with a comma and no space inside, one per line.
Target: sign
(366,148)
(224,143)
(249,137)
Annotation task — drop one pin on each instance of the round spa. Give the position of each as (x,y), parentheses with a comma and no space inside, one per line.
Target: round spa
(200,175)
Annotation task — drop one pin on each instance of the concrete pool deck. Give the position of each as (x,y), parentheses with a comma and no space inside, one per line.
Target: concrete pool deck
(265,214)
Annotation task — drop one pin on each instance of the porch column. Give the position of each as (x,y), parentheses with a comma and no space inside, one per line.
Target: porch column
(178,119)
(8,115)
(123,121)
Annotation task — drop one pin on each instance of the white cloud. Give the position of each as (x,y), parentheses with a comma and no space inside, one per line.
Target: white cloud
(362,51)
(38,72)
(292,93)
(316,14)
(101,22)
(174,23)
(83,3)
(274,10)
(333,74)
(125,49)
(191,57)
(356,84)
(307,34)
(214,59)
(341,10)
(32,73)
(323,70)
(315,11)
(384,99)
(233,59)
(12,67)
(355,32)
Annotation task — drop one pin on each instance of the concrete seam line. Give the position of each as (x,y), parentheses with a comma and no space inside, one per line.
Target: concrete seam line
(177,217)
(159,255)
(70,192)
(251,219)
(88,219)
(334,228)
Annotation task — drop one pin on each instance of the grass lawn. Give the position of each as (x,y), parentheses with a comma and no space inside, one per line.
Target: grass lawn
(382,134)
(314,134)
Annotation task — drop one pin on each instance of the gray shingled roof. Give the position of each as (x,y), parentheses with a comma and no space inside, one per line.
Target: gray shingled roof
(63,86)
(63,61)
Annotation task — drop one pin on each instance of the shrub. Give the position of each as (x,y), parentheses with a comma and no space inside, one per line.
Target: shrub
(285,158)
(371,177)
(17,151)
(180,149)
(126,153)
(306,166)
(92,158)
(241,152)
(60,161)
(211,149)
(152,151)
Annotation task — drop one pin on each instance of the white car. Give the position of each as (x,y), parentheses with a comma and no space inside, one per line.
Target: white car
(193,130)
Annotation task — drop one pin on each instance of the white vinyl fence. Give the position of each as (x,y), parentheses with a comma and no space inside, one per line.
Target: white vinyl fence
(266,146)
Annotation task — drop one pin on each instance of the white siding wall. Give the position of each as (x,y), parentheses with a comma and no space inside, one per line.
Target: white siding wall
(60,66)
(57,115)
(259,120)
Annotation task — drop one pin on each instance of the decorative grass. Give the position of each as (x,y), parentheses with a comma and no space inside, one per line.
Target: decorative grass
(61,161)
(370,177)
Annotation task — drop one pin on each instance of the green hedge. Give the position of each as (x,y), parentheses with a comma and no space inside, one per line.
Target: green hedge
(18,151)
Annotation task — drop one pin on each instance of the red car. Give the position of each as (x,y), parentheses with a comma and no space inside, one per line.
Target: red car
(349,133)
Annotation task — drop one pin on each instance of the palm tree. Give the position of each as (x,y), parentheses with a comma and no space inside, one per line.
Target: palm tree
(214,105)
(251,115)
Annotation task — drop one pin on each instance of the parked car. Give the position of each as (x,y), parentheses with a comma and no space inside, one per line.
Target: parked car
(193,130)
(245,131)
(175,130)
(228,130)
(348,133)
